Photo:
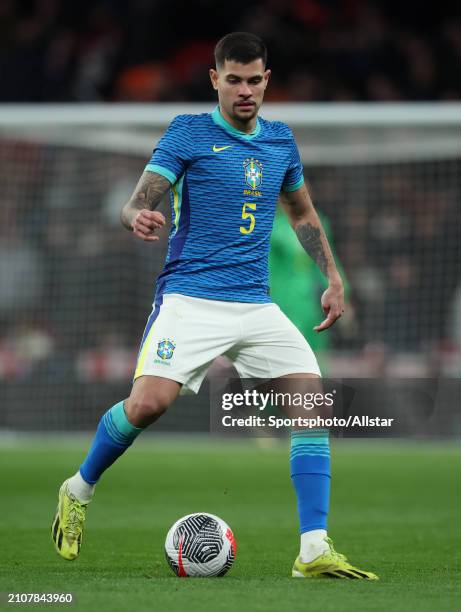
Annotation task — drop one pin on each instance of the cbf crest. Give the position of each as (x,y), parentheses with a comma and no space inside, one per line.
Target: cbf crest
(165,349)
(253,172)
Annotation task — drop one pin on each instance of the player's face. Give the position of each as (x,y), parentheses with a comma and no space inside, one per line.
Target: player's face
(240,89)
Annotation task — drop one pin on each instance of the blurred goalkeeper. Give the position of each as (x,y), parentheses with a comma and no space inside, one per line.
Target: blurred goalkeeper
(225,171)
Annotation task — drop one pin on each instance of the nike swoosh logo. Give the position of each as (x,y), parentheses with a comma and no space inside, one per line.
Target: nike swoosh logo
(218,149)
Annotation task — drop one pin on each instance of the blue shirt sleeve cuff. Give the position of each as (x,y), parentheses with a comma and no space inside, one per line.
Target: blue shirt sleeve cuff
(294,186)
(170,176)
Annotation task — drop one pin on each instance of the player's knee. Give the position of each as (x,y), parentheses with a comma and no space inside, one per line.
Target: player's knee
(143,410)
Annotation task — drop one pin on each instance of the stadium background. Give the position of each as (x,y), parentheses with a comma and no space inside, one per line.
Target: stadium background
(76,288)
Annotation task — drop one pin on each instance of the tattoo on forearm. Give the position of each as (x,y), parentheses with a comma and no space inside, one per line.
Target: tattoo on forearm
(148,194)
(311,239)
(149,191)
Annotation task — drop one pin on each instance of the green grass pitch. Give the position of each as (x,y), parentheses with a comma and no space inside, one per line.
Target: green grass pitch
(395,510)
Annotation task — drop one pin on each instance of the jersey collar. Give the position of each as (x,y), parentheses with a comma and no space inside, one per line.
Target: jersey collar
(219,120)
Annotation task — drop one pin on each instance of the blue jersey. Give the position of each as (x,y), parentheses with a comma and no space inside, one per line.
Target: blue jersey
(224,190)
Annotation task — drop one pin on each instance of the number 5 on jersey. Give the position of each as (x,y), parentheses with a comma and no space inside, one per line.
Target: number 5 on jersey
(248,215)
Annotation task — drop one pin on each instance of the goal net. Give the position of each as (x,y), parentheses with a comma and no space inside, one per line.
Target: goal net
(76,288)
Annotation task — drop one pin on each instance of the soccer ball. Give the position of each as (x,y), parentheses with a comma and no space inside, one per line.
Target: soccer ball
(200,544)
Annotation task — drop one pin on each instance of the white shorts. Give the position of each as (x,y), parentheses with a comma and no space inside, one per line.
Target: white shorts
(185,334)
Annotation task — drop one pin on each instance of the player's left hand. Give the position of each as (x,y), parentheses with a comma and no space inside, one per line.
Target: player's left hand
(333,306)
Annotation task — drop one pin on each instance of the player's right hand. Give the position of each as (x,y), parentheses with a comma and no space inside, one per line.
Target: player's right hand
(146,223)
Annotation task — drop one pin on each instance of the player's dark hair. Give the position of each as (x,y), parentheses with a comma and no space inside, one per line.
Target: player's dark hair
(242,47)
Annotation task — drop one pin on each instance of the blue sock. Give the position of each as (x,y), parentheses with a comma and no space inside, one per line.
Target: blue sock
(310,474)
(113,436)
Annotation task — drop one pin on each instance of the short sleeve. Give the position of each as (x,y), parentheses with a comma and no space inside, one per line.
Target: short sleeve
(174,151)
(294,176)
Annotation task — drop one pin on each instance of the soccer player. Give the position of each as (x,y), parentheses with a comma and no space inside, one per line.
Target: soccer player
(225,171)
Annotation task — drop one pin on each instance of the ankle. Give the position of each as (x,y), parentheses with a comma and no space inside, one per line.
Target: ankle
(80,489)
(313,544)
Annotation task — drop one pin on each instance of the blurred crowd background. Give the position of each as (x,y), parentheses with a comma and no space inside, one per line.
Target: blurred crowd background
(160,50)
(76,288)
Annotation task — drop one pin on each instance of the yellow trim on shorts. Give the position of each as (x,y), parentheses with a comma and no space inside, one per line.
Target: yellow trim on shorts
(143,354)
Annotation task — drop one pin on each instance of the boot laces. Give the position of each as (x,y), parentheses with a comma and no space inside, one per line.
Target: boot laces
(336,555)
(76,518)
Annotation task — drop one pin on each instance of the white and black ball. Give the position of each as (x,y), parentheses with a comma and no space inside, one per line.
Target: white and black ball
(200,544)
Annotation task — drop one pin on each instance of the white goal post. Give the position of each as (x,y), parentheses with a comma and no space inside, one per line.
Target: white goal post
(327,132)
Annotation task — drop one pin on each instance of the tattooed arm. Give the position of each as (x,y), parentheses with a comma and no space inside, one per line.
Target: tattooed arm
(138,214)
(306,223)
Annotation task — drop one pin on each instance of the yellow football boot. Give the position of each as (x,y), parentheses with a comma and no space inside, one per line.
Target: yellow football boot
(67,527)
(330,564)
